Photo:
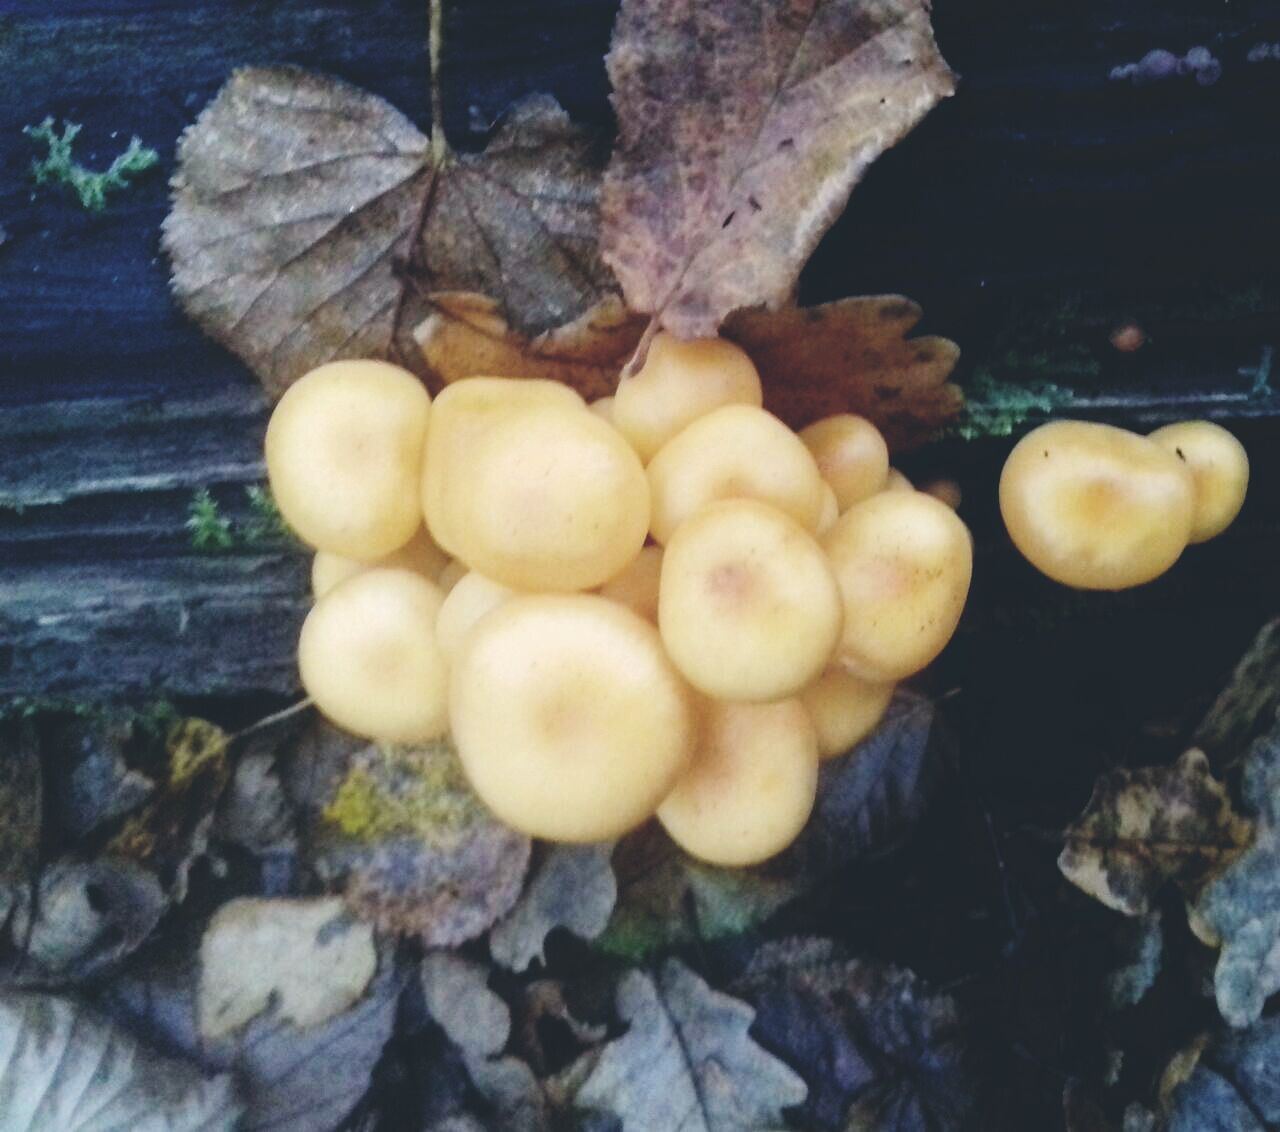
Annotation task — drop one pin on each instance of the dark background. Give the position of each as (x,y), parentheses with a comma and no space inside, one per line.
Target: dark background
(1031,214)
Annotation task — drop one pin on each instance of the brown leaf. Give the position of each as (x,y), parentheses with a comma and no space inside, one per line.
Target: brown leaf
(521,220)
(466,336)
(1144,827)
(743,127)
(853,356)
(302,206)
(413,850)
(295,193)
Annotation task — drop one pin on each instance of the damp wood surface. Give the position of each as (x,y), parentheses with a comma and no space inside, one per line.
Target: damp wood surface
(1044,199)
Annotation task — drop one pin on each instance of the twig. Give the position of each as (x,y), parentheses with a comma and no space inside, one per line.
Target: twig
(642,348)
(276,717)
(439,144)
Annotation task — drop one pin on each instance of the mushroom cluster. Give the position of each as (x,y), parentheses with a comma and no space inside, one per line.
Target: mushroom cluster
(666,602)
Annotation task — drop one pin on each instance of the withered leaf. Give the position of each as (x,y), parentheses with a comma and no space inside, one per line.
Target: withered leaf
(853,356)
(1246,708)
(291,1080)
(743,126)
(478,1022)
(687,1062)
(1142,947)
(306,957)
(86,917)
(465,335)
(64,1067)
(21,809)
(172,827)
(1148,826)
(666,897)
(573,888)
(308,215)
(1233,1084)
(414,851)
(1241,907)
(521,220)
(879,1051)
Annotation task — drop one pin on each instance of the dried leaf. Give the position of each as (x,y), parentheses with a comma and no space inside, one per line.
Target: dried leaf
(1234,1085)
(520,221)
(65,1069)
(254,812)
(1246,709)
(574,888)
(305,957)
(172,828)
(853,356)
(96,785)
(21,811)
(870,799)
(291,1080)
(414,850)
(666,898)
(478,1022)
(1144,827)
(87,917)
(879,1051)
(466,336)
(1241,907)
(687,1063)
(1142,945)
(297,199)
(743,127)
(546,1017)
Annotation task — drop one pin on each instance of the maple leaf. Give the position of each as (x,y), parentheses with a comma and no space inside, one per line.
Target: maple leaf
(308,214)
(1144,827)
(853,356)
(466,336)
(743,126)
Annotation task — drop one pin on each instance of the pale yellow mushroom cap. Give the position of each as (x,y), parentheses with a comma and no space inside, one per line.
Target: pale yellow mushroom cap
(344,451)
(748,606)
(368,657)
(1219,469)
(570,721)
(851,454)
(751,785)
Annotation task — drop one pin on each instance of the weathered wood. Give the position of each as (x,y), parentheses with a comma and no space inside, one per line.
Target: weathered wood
(1043,184)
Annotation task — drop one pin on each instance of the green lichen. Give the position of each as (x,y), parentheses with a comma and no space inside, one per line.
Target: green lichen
(1024,375)
(391,791)
(60,167)
(997,408)
(264,525)
(210,529)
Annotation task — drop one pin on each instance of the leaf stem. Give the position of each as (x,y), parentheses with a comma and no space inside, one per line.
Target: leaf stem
(642,348)
(439,145)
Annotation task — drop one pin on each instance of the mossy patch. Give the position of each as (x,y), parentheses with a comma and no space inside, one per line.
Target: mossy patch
(91,187)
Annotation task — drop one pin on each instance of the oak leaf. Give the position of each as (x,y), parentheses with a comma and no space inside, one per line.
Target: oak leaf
(1240,908)
(1148,826)
(879,1050)
(309,214)
(743,126)
(853,356)
(573,888)
(466,336)
(687,1062)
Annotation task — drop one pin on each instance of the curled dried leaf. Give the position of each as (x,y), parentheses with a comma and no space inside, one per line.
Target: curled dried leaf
(466,336)
(1145,827)
(853,356)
